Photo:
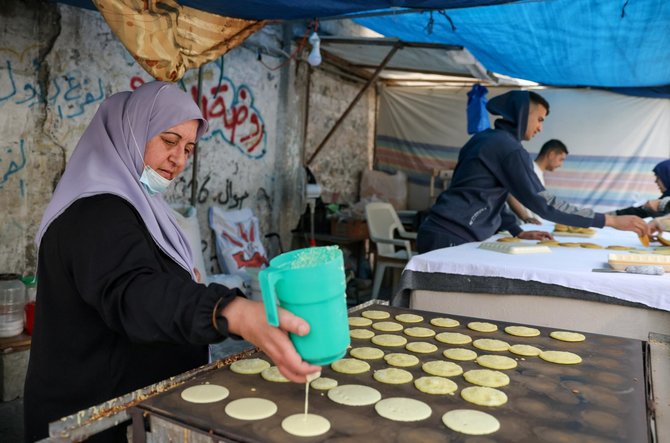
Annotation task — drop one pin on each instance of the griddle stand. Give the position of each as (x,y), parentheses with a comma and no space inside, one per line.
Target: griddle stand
(94,420)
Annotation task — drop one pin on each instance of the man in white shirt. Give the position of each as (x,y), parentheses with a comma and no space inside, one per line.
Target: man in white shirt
(551,157)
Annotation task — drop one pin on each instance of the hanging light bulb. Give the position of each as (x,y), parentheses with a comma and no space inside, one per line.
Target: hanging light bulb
(314,57)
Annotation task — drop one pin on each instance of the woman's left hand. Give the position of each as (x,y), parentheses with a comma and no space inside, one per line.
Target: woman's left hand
(535,235)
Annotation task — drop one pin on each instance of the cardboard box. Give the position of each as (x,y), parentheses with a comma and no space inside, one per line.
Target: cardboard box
(349,228)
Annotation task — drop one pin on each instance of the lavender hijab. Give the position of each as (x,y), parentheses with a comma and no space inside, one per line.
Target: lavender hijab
(109,159)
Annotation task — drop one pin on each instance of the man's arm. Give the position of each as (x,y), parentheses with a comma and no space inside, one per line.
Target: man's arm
(521,211)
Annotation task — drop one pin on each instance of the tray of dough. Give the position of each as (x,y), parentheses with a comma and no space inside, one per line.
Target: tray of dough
(514,248)
(620,261)
(573,234)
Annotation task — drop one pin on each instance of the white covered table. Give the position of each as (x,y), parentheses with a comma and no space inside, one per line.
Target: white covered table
(555,289)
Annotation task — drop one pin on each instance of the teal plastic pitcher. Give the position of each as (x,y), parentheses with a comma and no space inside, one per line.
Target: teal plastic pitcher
(310,283)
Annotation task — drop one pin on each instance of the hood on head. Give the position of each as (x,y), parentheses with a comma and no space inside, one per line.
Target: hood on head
(662,171)
(513,108)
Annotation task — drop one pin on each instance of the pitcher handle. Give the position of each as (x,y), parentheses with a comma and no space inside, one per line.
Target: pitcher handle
(268,279)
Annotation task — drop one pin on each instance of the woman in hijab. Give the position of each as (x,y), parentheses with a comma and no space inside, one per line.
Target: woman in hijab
(660,206)
(119,307)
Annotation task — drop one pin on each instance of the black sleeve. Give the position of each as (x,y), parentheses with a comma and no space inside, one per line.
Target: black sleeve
(640,211)
(138,291)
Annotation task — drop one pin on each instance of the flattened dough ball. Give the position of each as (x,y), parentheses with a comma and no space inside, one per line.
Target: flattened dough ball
(251,408)
(354,395)
(206,393)
(471,422)
(403,409)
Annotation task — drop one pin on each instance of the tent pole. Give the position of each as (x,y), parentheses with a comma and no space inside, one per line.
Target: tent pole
(370,81)
(194,177)
(305,123)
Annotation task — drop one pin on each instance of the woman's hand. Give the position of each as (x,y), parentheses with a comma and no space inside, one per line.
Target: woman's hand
(628,223)
(652,205)
(247,318)
(654,227)
(535,235)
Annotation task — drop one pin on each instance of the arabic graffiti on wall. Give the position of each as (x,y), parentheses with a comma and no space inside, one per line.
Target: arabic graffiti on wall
(12,161)
(231,113)
(227,198)
(69,94)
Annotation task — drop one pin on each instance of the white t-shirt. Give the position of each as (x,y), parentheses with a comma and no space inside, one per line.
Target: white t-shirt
(540,175)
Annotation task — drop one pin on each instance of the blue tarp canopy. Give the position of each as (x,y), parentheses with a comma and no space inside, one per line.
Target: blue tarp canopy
(599,43)
(607,43)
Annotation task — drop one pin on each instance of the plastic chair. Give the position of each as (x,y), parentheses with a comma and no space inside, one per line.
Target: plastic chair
(392,252)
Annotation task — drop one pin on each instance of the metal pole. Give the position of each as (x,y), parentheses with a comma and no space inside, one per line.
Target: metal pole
(194,177)
(383,64)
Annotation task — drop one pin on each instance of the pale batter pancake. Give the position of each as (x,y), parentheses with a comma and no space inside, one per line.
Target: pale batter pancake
(403,409)
(490,344)
(375,315)
(471,422)
(367,353)
(561,357)
(486,377)
(389,340)
(387,326)
(482,326)
(484,396)
(251,408)
(205,393)
(419,332)
(570,245)
(401,360)
(444,322)
(323,383)
(453,338)
(305,425)
(442,368)
(249,366)
(435,385)
(421,347)
(522,331)
(272,374)
(350,366)
(409,318)
(567,336)
(525,350)
(548,243)
(591,246)
(354,395)
(359,321)
(460,354)
(361,334)
(496,362)
(393,376)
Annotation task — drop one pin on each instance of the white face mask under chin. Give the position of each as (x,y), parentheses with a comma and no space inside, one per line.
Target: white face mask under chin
(153,182)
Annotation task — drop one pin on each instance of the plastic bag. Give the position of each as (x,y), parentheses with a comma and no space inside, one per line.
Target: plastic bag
(238,240)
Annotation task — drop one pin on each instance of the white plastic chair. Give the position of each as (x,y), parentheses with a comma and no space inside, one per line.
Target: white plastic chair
(392,252)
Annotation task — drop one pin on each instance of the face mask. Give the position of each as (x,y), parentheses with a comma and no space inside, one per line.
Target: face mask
(153,182)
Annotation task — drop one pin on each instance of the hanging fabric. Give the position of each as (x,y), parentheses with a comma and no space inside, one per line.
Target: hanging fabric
(478,117)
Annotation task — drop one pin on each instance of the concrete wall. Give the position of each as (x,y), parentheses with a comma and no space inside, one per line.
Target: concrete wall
(57,63)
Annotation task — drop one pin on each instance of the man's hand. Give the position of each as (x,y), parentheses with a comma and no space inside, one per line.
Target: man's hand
(627,223)
(247,318)
(532,221)
(535,235)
